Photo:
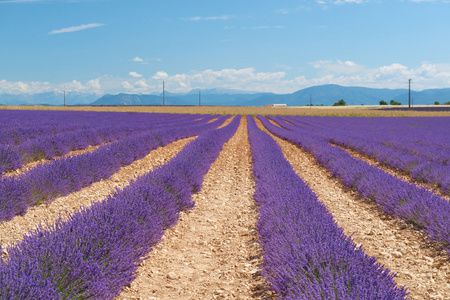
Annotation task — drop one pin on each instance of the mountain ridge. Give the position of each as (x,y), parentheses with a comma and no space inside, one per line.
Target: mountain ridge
(318,95)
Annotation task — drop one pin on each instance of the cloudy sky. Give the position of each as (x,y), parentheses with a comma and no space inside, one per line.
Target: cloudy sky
(112,46)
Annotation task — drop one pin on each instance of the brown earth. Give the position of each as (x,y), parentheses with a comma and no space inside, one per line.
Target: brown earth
(34,164)
(361,111)
(422,267)
(399,174)
(213,251)
(13,230)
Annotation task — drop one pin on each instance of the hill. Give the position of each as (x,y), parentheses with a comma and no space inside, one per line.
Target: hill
(319,95)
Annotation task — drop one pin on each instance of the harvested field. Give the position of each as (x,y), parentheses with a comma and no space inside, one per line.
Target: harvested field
(358,111)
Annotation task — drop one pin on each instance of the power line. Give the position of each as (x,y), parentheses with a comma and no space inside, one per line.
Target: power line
(409,94)
(164,95)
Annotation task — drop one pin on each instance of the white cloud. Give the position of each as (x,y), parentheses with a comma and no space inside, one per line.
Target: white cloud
(263,27)
(340,67)
(141,84)
(34,87)
(160,75)
(325,3)
(348,73)
(425,76)
(76,28)
(127,85)
(94,84)
(138,59)
(213,18)
(135,75)
(349,1)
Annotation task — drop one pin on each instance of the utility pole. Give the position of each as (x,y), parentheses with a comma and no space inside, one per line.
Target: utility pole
(199,98)
(409,94)
(164,95)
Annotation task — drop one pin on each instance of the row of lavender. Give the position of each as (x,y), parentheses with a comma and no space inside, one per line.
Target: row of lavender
(95,253)
(420,168)
(64,176)
(18,126)
(396,197)
(306,255)
(422,136)
(79,135)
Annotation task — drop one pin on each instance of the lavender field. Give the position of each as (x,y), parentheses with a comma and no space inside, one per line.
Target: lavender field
(119,205)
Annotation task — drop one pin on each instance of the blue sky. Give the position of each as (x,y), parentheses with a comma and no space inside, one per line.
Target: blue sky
(111,46)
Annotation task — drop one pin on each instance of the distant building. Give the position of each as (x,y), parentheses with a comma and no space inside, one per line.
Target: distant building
(276,105)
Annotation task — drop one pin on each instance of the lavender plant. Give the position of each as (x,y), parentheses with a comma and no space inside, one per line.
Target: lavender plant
(64,176)
(406,201)
(433,171)
(80,136)
(95,253)
(306,254)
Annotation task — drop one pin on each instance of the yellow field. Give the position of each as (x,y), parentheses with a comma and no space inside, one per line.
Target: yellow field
(357,111)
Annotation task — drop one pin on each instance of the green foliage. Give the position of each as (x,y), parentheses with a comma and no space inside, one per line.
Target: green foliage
(340,103)
(436,103)
(382,102)
(393,102)
(447,103)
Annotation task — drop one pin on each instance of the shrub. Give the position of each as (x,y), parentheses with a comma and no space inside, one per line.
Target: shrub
(340,103)
(393,102)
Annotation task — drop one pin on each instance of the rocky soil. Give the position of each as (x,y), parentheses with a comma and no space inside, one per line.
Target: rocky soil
(213,251)
(13,230)
(422,267)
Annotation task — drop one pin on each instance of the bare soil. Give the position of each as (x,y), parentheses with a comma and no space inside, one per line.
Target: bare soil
(422,267)
(12,231)
(399,174)
(34,164)
(213,251)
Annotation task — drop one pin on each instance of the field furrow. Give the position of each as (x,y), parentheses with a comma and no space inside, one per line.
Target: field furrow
(405,251)
(391,171)
(213,251)
(34,164)
(12,231)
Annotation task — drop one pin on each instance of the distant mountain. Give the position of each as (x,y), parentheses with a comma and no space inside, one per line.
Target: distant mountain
(426,96)
(319,95)
(331,93)
(51,98)
(208,97)
(134,99)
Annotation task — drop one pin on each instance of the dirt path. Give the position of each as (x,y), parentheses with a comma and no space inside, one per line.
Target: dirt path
(13,230)
(212,253)
(400,175)
(422,268)
(34,164)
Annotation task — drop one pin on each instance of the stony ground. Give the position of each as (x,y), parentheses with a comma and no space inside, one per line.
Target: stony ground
(213,252)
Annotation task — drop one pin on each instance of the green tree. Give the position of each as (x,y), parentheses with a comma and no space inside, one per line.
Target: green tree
(340,103)
(382,102)
(436,103)
(393,102)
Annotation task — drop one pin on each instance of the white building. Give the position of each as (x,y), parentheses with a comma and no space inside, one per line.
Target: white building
(276,105)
